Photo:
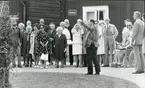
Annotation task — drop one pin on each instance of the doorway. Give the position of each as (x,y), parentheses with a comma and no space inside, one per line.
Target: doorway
(95,12)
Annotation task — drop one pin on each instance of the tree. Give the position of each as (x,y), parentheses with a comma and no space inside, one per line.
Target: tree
(5,44)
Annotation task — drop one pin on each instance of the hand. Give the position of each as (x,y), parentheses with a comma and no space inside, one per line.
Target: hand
(65,49)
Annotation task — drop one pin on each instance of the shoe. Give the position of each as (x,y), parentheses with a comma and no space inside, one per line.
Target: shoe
(61,66)
(136,72)
(13,66)
(71,63)
(50,63)
(26,65)
(142,72)
(41,67)
(57,67)
(35,66)
(105,66)
(46,67)
(19,66)
(97,73)
(88,74)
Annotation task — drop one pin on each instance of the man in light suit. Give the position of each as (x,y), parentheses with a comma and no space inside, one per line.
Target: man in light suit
(110,34)
(137,42)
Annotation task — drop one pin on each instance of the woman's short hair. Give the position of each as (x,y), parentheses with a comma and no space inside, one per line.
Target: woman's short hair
(28,23)
(35,24)
(129,24)
(21,25)
(59,28)
(51,23)
(128,20)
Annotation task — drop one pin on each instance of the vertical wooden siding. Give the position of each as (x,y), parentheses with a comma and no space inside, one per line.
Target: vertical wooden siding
(14,7)
(46,9)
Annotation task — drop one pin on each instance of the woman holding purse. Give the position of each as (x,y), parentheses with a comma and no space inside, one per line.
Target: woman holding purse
(42,39)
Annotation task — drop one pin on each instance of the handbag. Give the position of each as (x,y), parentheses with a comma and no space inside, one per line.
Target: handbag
(44,57)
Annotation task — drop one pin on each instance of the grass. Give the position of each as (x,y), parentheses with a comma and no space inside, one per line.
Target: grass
(67,80)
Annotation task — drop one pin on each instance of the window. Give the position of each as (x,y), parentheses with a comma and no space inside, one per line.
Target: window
(95,12)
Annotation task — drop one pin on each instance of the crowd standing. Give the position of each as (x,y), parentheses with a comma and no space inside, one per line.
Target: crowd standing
(86,43)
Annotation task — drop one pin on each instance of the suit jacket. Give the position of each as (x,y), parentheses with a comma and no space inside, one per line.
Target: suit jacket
(92,36)
(138,32)
(114,34)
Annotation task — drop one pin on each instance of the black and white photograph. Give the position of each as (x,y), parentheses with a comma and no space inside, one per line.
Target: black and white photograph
(72,44)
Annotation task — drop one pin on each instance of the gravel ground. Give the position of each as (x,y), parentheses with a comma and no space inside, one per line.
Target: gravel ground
(66,80)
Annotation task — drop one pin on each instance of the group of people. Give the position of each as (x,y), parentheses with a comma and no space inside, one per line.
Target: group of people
(84,43)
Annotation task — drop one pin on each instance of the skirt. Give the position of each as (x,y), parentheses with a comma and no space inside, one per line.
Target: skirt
(77,49)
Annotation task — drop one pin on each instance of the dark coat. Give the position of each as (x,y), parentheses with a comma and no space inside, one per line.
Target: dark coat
(25,45)
(60,45)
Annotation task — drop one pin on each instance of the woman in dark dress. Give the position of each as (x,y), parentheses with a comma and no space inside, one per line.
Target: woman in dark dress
(60,43)
(42,40)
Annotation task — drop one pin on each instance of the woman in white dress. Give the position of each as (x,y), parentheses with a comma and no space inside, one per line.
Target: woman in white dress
(77,33)
(101,49)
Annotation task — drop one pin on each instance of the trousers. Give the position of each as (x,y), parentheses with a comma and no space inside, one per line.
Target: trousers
(139,58)
(92,58)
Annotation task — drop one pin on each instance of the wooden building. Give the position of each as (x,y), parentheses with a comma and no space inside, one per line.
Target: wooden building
(58,10)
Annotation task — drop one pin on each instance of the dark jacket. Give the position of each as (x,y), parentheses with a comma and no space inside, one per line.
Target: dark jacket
(60,45)
(92,36)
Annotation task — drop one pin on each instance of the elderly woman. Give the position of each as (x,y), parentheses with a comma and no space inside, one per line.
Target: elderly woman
(43,40)
(77,32)
(101,49)
(26,47)
(60,43)
(68,37)
(125,32)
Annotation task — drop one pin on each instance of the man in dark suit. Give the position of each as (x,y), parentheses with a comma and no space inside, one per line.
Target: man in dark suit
(137,42)
(91,48)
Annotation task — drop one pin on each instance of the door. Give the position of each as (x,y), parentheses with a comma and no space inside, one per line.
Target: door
(95,12)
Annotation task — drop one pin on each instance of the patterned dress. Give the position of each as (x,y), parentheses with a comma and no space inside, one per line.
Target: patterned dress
(42,36)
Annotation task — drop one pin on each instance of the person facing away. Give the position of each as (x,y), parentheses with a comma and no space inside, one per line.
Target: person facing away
(60,43)
(91,47)
(137,42)
(110,35)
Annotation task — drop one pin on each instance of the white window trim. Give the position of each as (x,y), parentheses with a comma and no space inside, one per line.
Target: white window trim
(95,9)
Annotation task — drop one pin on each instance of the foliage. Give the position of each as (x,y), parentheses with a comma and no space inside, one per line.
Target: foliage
(5,44)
